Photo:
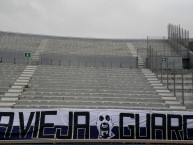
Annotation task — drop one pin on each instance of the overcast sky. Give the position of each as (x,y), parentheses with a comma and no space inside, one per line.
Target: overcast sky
(96,18)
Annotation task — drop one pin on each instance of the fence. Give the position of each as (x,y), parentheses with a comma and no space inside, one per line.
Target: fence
(169,67)
(178,38)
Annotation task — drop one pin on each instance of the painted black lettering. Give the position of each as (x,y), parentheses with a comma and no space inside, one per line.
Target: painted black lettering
(69,132)
(121,126)
(36,127)
(187,135)
(174,129)
(7,125)
(138,128)
(44,125)
(24,130)
(84,126)
(156,128)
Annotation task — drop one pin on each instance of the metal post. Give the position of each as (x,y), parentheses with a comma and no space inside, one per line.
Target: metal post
(177,40)
(51,61)
(150,57)
(185,39)
(14,60)
(59,62)
(148,52)
(147,57)
(179,34)
(188,48)
(111,65)
(192,82)
(164,47)
(137,58)
(167,73)
(78,64)
(174,73)
(152,60)
(1,60)
(69,63)
(156,64)
(182,87)
(147,42)
(161,73)
(188,39)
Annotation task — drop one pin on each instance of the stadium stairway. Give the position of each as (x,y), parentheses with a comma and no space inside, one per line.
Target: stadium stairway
(134,52)
(159,87)
(162,90)
(9,75)
(180,87)
(40,49)
(20,81)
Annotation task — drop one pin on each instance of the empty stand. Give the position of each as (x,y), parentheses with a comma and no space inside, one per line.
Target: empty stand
(60,87)
(181,87)
(93,53)
(8,74)
(14,46)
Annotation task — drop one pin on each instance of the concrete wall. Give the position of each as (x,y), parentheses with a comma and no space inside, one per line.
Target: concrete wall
(13,57)
(170,62)
(191,59)
(88,60)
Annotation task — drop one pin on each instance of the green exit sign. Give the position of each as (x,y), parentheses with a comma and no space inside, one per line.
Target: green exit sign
(27,55)
(164,58)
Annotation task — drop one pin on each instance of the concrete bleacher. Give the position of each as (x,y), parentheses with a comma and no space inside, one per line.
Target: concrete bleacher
(13,46)
(84,73)
(87,46)
(87,52)
(69,87)
(180,87)
(8,74)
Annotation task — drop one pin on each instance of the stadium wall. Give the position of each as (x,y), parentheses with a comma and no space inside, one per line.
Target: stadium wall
(88,60)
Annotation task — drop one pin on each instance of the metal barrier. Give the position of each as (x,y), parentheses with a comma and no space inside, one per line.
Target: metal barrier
(167,67)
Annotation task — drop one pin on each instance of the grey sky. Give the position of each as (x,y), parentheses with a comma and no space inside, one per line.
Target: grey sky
(95,18)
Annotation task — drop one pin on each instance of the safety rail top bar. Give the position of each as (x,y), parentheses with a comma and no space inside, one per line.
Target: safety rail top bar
(114,141)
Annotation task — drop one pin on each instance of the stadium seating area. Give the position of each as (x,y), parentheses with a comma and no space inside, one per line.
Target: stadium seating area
(12,42)
(14,46)
(53,87)
(178,87)
(87,86)
(8,75)
(87,47)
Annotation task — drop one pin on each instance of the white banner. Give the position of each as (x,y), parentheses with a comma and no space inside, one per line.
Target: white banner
(95,124)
